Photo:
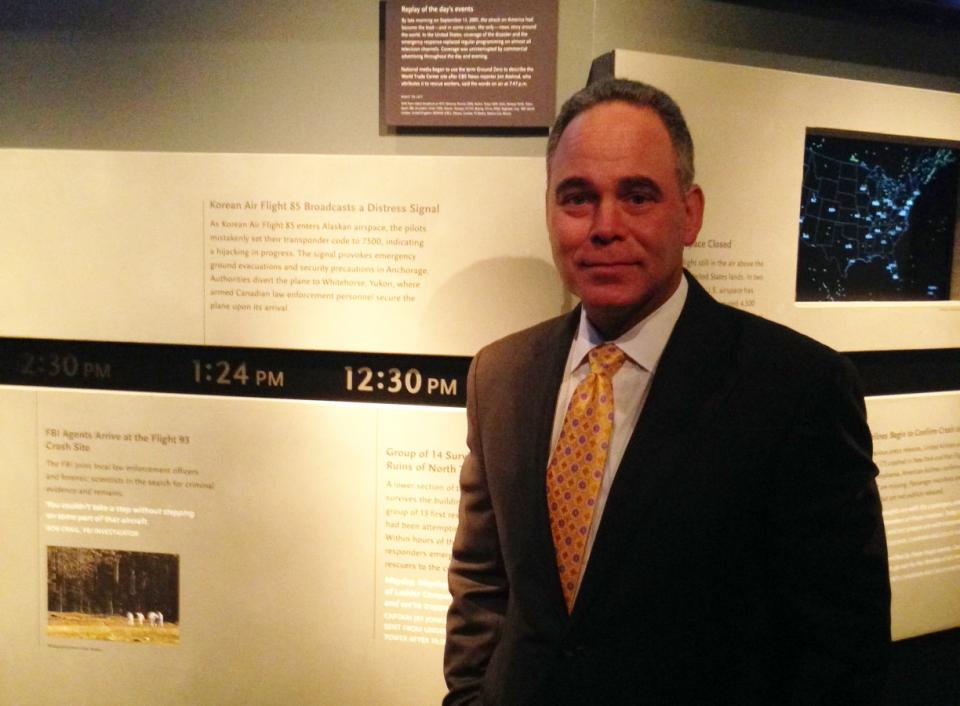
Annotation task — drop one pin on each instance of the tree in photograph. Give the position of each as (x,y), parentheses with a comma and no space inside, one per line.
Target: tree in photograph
(110,582)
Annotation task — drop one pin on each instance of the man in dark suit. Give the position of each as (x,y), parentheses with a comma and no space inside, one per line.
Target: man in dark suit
(729,547)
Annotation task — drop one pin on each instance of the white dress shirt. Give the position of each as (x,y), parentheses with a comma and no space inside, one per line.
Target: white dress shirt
(643,345)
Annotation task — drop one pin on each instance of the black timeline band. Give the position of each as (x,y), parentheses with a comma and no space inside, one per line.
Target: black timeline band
(345,376)
(235,371)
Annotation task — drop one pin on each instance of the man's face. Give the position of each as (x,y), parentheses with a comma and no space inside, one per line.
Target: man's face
(617,216)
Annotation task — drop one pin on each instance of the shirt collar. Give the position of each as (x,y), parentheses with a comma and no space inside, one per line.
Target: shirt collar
(643,344)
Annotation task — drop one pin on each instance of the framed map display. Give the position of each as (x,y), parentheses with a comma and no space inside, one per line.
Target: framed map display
(877,219)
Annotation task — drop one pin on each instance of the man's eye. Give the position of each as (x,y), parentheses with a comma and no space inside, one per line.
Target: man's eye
(578,198)
(637,198)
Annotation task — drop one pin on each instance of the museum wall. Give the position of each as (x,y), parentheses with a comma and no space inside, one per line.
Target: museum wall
(194,99)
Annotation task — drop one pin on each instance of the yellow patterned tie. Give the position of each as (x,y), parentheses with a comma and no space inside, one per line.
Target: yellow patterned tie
(576,466)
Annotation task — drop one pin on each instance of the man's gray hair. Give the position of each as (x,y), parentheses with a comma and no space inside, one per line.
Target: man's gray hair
(641,95)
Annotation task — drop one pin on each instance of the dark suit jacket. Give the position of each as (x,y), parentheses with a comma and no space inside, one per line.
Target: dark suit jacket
(741,557)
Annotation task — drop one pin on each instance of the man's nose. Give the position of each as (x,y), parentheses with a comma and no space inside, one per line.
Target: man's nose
(607,223)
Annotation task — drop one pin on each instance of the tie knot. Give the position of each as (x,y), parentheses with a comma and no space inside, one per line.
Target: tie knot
(606,359)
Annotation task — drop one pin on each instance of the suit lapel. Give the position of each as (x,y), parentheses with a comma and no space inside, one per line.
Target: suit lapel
(692,375)
(546,373)
(543,372)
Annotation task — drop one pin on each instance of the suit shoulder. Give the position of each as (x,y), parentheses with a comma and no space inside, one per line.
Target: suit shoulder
(526,343)
(794,353)
(755,337)
(763,329)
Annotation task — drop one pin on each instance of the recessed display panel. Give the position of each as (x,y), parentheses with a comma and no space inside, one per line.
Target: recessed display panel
(754,130)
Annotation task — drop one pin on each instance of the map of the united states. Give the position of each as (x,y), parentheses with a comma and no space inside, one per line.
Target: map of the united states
(876,220)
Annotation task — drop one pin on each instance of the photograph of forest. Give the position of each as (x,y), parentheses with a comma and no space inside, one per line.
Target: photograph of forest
(106,594)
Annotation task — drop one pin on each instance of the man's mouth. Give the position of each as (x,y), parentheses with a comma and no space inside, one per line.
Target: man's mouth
(612,264)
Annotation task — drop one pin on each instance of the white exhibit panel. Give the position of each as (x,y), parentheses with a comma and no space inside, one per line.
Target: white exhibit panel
(297,551)
(284,550)
(858,177)
(917,449)
(362,253)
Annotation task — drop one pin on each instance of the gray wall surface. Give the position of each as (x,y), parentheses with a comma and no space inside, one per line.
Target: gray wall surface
(305,76)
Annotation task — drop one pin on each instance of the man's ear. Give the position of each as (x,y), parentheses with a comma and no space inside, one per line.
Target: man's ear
(693,202)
